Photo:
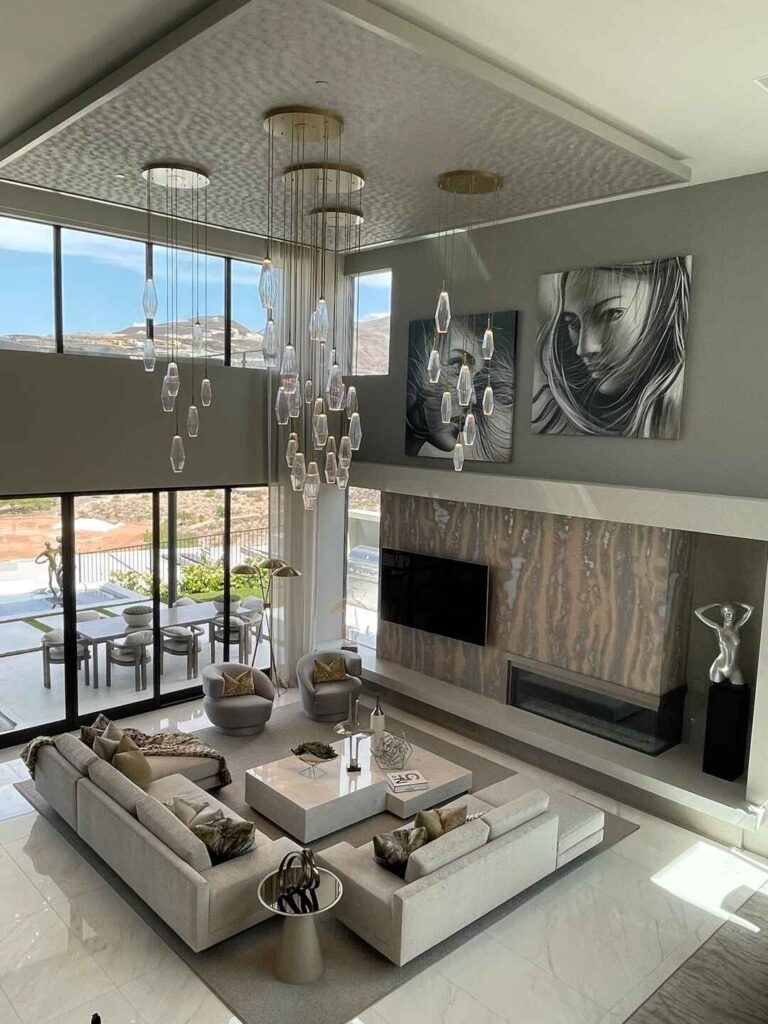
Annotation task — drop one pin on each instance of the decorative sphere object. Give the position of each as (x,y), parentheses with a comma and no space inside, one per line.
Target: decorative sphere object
(391,750)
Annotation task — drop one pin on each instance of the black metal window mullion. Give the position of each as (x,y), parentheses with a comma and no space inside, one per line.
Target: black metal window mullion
(157,639)
(173,553)
(58,299)
(227,311)
(225,563)
(69,608)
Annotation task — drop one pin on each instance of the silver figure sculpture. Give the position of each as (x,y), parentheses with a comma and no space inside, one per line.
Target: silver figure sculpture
(726,664)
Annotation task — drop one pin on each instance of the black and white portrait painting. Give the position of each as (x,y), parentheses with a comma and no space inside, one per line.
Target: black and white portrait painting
(610,353)
(426,433)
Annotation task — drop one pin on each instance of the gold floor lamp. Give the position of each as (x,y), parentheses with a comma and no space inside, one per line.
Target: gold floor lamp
(275,568)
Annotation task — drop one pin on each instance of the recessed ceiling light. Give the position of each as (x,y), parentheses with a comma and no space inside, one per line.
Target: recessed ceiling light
(762,82)
(321,81)
(119,176)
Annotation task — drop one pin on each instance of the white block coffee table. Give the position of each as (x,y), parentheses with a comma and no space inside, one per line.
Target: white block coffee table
(308,808)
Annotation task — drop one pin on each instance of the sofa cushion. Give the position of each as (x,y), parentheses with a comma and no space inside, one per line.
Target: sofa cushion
(193,768)
(392,850)
(446,849)
(115,785)
(501,820)
(191,812)
(77,753)
(133,765)
(172,786)
(170,831)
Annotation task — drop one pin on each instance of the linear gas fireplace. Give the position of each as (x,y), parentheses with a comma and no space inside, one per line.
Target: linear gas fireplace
(643,721)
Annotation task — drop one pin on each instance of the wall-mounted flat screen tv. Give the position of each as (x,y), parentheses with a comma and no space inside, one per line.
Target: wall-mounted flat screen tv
(437,595)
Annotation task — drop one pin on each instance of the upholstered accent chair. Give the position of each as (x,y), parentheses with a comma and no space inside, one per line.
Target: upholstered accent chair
(182,641)
(328,702)
(244,715)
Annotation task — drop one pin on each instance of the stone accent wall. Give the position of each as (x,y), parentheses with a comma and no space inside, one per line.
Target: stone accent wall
(607,600)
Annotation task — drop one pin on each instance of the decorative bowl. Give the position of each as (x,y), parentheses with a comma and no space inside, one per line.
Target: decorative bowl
(234,603)
(314,752)
(137,620)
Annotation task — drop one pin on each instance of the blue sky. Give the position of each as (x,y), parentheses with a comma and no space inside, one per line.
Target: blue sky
(103,280)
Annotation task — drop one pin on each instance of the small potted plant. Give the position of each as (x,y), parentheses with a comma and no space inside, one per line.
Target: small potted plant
(137,616)
(218,602)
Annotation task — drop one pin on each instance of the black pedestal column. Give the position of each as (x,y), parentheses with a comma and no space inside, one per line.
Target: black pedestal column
(725,741)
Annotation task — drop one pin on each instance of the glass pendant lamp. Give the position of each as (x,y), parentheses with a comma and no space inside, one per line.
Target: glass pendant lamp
(342,477)
(470,430)
(206,392)
(335,388)
(294,403)
(269,344)
(197,339)
(149,299)
(291,448)
(193,421)
(323,322)
(178,455)
(310,502)
(174,380)
(458,457)
(309,391)
(289,375)
(330,467)
(351,402)
(433,366)
(345,452)
(488,401)
(443,312)
(282,412)
(320,430)
(149,355)
(267,285)
(298,472)
(488,343)
(313,325)
(312,481)
(464,387)
(166,398)
(446,407)
(355,431)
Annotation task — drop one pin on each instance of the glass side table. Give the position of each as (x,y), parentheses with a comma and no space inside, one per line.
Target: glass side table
(298,957)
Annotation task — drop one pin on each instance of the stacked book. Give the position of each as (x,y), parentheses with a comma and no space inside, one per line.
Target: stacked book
(402,782)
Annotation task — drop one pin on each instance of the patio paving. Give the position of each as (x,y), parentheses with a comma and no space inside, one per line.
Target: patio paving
(18,636)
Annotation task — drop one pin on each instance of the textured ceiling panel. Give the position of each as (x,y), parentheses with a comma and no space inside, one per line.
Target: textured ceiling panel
(407,119)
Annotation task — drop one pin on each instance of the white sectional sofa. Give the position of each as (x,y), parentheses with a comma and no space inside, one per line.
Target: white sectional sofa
(523,835)
(150,849)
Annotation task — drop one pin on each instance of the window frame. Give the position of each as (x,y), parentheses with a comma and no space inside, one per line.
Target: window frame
(354,278)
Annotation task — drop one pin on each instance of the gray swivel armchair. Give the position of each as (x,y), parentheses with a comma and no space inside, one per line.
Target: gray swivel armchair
(328,702)
(245,715)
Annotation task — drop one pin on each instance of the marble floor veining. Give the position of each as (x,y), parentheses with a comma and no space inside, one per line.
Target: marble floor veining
(589,949)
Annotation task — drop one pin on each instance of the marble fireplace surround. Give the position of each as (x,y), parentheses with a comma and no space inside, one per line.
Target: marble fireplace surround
(604,601)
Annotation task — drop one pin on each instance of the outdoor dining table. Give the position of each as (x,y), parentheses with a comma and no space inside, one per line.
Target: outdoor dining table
(115,626)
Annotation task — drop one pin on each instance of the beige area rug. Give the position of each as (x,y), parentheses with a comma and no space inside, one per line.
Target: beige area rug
(356,976)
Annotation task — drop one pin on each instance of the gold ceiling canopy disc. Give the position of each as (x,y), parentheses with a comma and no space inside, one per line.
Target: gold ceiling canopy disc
(338,218)
(339,177)
(178,176)
(470,183)
(313,124)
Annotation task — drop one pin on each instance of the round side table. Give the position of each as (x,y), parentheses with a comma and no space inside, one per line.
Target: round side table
(298,957)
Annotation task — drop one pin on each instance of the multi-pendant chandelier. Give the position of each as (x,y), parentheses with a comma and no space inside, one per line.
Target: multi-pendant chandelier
(308,300)
(467,185)
(181,190)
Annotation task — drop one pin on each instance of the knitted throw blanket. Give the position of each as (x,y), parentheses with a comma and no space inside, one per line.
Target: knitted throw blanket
(161,744)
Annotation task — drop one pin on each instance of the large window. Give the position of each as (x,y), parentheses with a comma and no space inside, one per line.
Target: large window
(198,296)
(248,316)
(370,334)
(102,285)
(26,286)
(362,604)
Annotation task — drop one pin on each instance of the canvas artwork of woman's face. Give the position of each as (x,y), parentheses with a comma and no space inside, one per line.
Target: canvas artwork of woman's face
(610,354)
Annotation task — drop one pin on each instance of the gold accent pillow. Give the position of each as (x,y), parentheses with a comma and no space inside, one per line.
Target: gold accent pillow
(441,820)
(334,672)
(238,686)
(134,765)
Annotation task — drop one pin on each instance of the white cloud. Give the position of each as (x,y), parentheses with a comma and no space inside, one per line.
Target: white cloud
(375,316)
(381,279)
(25,236)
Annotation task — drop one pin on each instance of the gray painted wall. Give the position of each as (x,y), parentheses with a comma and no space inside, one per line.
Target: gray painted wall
(724,436)
(84,423)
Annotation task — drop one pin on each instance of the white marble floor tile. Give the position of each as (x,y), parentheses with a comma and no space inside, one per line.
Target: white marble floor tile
(173,994)
(7,773)
(12,803)
(7,1013)
(44,970)
(114,935)
(18,827)
(432,998)
(514,988)
(369,1016)
(52,864)
(18,896)
(112,1007)
(636,996)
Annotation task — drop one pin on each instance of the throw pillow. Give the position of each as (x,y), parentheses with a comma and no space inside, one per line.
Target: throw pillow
(334,672)
(392,849)
(193,812)
(441,820)
(107,743)
(98,727)
(133,765)
(226,838)
(238,686)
